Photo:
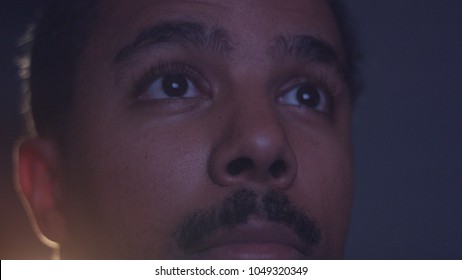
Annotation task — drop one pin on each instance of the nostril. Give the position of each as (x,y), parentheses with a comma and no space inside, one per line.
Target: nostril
(278,168)
(239,165)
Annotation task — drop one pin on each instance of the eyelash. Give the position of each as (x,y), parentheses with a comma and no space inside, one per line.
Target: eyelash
(323,81)
(320,80)
(161,69)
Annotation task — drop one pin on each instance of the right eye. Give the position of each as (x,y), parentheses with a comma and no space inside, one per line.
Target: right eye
(306,96)
(170,86)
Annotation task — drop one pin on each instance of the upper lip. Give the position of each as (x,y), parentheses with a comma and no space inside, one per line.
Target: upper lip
(254,231)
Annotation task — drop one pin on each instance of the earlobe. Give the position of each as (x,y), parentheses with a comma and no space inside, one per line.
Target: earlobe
(39,176)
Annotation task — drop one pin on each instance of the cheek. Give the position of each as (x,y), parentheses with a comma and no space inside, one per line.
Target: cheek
(141,177)
(324,182)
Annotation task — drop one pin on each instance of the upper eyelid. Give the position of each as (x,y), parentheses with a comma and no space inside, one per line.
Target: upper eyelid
(321,80)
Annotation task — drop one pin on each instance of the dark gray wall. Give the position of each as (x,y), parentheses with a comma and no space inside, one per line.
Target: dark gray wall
(408,132)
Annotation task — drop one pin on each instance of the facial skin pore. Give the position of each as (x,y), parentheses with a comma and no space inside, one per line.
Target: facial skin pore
(231,146)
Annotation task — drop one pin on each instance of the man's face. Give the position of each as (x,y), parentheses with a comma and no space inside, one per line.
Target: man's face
(209,129)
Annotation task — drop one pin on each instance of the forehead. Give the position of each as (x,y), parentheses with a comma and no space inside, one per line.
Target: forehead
(249,23)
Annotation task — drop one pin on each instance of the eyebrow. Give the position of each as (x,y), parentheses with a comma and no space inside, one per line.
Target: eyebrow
(180,32)
(217,40)
(304,47)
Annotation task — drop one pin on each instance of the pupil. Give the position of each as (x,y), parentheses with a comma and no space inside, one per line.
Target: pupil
(308,96)
(175,85)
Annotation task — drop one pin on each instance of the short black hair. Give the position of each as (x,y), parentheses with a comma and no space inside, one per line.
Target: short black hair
(349,38)
(54,46)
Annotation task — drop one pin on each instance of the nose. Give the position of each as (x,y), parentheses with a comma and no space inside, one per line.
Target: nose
(253,150)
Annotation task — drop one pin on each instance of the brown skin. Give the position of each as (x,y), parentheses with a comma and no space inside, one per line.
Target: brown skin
(137,166)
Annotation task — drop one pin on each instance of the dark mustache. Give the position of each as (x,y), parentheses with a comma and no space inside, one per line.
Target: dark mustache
(236,210)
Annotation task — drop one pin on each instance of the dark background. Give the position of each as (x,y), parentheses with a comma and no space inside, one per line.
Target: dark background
(407,132)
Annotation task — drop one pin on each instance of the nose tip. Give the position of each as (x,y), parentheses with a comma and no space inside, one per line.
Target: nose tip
(254,150)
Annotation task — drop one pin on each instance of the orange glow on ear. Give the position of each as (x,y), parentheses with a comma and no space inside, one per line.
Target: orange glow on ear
(38,179)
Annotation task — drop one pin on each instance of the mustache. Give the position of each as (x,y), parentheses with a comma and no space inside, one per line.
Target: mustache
(236,209)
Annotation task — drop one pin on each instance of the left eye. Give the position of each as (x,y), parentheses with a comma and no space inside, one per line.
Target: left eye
(171,86)
(306,95)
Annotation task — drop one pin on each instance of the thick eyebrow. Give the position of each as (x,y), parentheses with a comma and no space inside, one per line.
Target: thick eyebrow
(304,47)
(179,32)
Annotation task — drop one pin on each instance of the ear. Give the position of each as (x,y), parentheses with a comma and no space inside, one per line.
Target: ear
(39,176)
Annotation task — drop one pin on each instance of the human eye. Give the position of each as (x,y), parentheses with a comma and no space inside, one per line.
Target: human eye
(170,81)
(306,95)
